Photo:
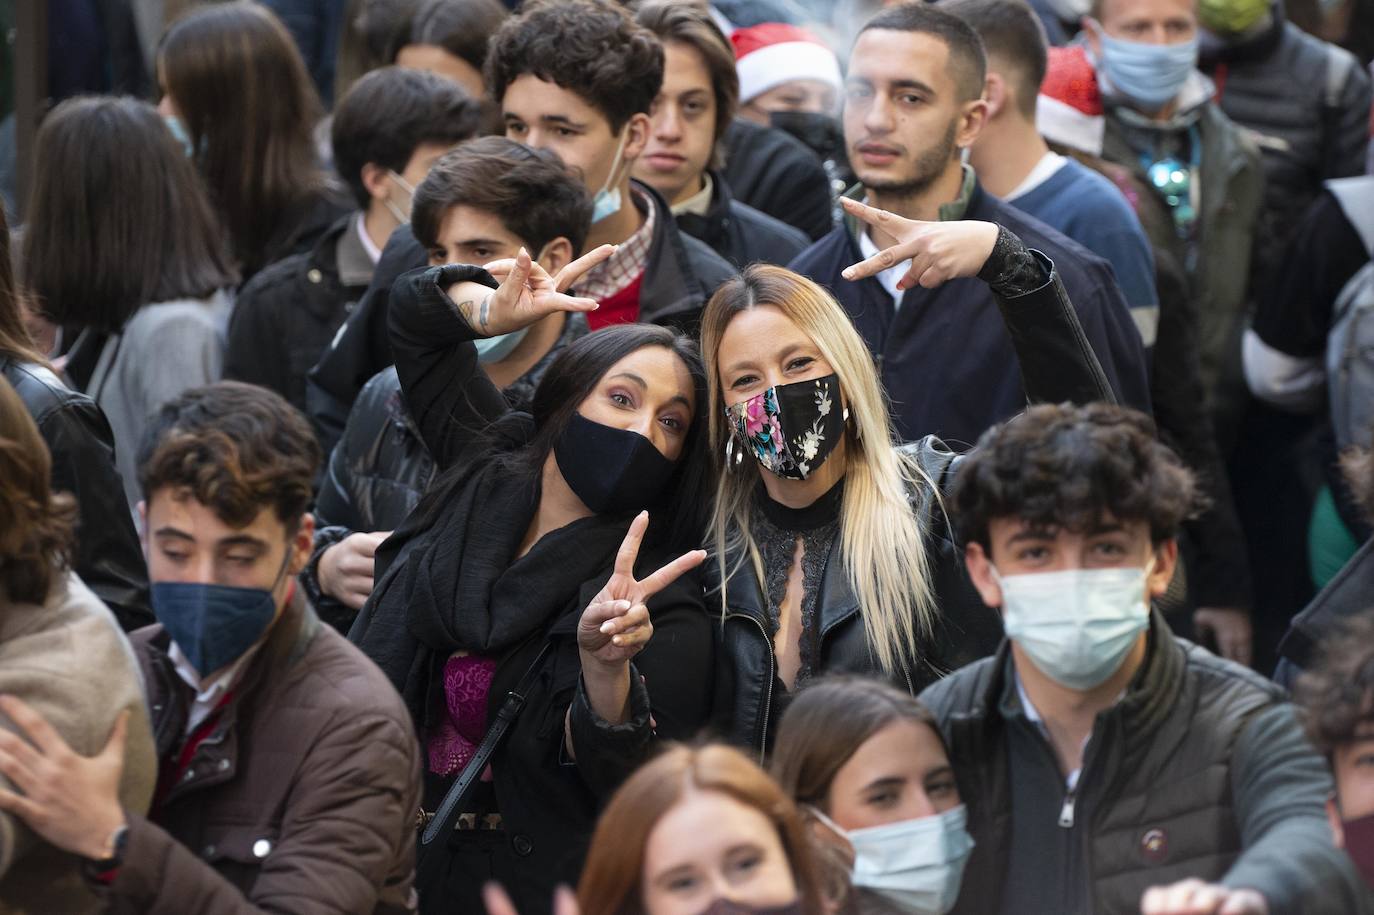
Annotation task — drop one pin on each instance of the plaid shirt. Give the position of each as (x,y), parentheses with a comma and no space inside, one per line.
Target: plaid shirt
(625,266)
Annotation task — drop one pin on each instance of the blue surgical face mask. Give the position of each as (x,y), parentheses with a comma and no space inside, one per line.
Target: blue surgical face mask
(917,865)
(179,131)
(607,201)
(494,349)
(214,625)
(1078,625)
(1152,75)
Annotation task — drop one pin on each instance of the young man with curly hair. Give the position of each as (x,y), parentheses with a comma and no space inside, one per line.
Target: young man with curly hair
(579,77)
(1110,766)
(288,776)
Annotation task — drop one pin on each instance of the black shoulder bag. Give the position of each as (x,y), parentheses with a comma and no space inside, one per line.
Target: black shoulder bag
(433,842)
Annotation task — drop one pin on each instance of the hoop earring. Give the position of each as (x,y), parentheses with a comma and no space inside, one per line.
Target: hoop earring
(730,453)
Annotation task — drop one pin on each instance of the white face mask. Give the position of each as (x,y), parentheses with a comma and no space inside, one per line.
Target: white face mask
(917,865)
(402,216)
(1078,625)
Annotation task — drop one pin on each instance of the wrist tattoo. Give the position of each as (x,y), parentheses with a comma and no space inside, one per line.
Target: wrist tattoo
(485,316)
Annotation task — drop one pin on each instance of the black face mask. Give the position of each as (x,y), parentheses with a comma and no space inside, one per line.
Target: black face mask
(613,471)
(820,132)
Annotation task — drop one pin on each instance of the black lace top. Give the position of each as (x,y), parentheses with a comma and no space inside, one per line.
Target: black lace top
(776,530)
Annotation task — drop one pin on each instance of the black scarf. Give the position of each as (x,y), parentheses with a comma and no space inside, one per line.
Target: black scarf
(449,579)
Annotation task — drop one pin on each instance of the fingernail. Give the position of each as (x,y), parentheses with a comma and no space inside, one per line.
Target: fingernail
(847,274)
(607,626)
(615,640)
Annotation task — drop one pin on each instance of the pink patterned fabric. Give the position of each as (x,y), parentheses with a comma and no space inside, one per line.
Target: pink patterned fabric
(467,681)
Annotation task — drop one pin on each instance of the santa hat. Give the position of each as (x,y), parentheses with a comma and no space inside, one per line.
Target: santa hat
(1069,109)
(772,53)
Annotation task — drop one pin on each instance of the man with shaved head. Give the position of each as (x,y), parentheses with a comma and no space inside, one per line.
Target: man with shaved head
(913,102)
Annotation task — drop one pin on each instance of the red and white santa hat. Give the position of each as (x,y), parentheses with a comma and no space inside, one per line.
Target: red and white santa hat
(772,53)
(1069,109)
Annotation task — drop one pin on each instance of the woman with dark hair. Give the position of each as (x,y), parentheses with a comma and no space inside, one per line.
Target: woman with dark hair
(869,762)
(113,193)
(62,656)
(450,37)
(236,92)
(522,570)
(107,555)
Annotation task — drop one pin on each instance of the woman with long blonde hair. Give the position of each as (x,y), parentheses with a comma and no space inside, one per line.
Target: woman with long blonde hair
(830,545)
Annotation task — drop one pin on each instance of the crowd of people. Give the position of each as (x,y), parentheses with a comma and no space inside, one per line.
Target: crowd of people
(778,457)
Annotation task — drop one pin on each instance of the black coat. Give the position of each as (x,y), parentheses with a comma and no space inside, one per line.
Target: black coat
(547,803)
(775,173)
(285,316)
(741,234)
(1057,364)
(1348,596)
(108,557)
(947,362)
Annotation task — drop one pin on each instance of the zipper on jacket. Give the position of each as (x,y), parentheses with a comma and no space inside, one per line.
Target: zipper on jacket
(768,688)
(1066,811)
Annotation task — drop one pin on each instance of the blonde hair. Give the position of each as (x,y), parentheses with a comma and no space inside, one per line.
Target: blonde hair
(881,537)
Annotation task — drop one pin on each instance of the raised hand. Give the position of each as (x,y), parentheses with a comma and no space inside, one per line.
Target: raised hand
(1195,897)
(498,902)
(616,626)
(938,251)
(527,293)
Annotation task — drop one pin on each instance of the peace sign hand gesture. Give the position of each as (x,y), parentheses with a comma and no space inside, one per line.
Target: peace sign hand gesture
(616,626)
(527,293)
(938,251)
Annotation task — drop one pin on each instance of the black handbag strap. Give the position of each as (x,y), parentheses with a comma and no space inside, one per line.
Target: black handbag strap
(446,815)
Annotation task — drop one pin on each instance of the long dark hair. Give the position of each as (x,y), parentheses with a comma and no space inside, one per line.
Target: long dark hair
(249,107)
(678,518)
(117,217)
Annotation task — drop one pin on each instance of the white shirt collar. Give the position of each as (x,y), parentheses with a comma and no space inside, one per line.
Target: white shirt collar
(1050,163)
(889,277)
(374,253)
(699,204)
(210,692)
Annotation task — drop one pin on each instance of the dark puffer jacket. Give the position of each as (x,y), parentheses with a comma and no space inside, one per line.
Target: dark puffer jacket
(1200,771)
(108,557)
(1306,104)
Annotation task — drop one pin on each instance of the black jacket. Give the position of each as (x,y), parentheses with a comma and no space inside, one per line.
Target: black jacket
(547,803)
(108,557)
(1305,103)
(285,316)
(681,273)
(1345,597)
(300,228)
(776,174)
(1057,364)
(1200,771)
(947,362)
(741,234)
(361,349)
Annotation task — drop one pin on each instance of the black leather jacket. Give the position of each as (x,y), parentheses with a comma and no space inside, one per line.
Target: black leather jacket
(107,556)
(1057,365)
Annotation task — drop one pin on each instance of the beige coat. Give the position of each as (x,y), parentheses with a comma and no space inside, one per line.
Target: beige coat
(71,663)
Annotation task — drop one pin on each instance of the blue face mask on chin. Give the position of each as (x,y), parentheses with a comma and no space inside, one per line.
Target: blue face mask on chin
(607,201)
(494,349)
(215,625)
(179,131)
(1152,75)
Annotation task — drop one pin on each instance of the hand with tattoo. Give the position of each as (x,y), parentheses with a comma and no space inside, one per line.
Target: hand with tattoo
(527,293)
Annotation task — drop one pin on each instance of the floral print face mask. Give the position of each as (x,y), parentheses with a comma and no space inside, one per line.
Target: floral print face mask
(790,428)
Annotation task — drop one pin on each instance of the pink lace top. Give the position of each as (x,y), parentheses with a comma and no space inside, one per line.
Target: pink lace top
(467,681)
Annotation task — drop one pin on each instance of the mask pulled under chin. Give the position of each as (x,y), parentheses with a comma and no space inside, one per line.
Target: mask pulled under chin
(790,428)
(1078,625)
(1359,845)
(613,471)
(606,203)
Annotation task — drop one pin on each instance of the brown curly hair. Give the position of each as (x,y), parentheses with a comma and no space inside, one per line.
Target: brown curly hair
(1336,694)
(236,448)
(36,525)
(1061,466)
(589,47)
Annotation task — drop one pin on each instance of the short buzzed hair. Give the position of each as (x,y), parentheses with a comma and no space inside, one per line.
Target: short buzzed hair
(967,59)
(1012,36)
